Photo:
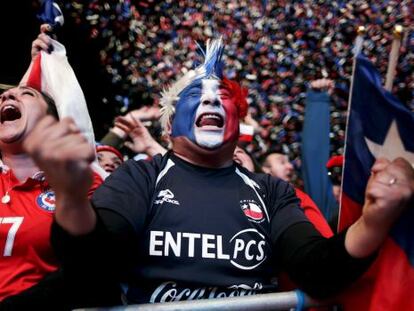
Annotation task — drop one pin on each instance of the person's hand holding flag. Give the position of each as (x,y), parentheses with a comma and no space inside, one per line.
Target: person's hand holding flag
(389,189)
(43,42)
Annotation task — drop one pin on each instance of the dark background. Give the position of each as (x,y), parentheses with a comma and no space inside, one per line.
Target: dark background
(20,26)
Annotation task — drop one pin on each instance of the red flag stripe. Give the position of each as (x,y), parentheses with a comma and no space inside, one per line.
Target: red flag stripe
(35,77)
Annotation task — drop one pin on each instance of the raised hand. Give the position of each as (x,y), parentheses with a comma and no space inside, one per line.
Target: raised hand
(390,190)
(323,85)
(145,113)
(63,153)
(142,141)
(42,42)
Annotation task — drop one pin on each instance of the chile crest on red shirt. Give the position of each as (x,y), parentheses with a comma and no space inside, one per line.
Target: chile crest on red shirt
(46,201)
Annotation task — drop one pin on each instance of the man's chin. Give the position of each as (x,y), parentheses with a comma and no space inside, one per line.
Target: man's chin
(210,140)
(209,145)
(217,156)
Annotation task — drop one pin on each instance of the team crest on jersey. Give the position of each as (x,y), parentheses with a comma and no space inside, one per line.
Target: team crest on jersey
(252,210)
(46,200)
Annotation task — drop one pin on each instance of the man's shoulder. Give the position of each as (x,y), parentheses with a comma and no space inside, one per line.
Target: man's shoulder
(148,166)
(266,179)
(262,181)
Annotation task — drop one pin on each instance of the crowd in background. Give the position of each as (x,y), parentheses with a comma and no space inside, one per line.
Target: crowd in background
(275,48)
(277,51)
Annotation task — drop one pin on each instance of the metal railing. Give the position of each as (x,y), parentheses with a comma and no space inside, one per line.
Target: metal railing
(275,301)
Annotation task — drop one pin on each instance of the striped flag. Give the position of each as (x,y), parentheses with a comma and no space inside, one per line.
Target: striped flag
(246,132)
(52,73)
(51,14)
(378,126)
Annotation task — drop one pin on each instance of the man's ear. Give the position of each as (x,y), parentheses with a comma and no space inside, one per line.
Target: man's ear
(266,169)
(168,128)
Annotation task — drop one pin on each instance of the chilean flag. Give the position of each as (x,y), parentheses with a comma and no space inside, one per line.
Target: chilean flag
(51,14)
(253,211)
(246,132)
(378,126)
(52,73)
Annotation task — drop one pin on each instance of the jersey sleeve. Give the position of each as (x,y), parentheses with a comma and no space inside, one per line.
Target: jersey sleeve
(128,191)
(320,266)
(284,206)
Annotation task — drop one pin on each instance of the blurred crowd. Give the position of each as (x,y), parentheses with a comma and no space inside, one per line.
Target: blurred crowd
(275,48)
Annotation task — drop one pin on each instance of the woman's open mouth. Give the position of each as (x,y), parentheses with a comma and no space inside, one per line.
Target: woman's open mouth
(9,113)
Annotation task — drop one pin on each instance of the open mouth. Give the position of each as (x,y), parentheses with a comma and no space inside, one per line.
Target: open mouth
(9,113)
(210,119)
(237,160)
(109,169)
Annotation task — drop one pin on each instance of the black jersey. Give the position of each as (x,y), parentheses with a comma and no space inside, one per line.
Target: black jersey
(204,233)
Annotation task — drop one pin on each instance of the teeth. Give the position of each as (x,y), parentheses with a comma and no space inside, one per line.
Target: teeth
(9,113)
(8,107)
(211,116)
(210,119)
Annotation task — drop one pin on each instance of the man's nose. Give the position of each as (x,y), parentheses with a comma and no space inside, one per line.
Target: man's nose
(110,164)
(211,102)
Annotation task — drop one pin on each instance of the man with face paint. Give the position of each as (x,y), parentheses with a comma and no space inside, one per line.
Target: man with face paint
(205,127)
(193,224)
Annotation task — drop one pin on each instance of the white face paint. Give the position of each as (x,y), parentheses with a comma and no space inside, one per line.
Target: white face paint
(210,116)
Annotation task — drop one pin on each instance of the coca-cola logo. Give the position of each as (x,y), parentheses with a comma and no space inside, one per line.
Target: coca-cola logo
(170,291)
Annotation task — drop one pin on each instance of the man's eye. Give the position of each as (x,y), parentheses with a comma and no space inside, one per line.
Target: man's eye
(224,95)
(194,94)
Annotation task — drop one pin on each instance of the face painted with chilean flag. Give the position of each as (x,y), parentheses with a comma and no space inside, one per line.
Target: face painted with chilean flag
(203,106)
(206,113)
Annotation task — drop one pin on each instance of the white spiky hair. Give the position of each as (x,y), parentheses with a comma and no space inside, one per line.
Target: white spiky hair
(212,67)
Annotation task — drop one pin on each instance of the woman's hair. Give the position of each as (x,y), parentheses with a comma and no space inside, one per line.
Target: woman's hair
(51,106)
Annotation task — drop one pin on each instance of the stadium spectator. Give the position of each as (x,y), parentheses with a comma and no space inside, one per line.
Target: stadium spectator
(316,147)
(178,227)
(29,269)
(27,200)
(277,47)
(109,158)
(278,165)
(334,166)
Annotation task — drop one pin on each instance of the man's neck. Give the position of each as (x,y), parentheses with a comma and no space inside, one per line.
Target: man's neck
(190,152)
(22,165)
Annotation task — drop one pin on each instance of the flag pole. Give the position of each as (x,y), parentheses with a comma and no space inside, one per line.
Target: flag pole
(357,49)
(393,59)
(359,40)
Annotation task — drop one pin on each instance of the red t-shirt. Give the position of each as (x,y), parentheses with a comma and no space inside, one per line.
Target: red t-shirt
(314,214)
(26,255)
